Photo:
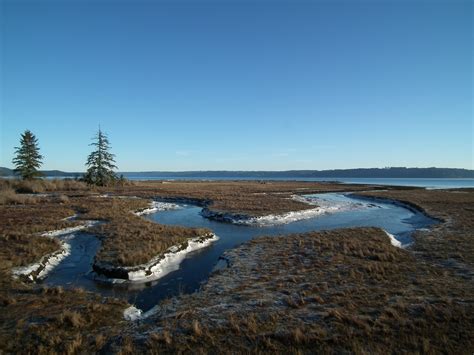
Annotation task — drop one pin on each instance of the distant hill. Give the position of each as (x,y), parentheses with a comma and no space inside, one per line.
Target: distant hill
(49,173)
(6,172)
(393,172)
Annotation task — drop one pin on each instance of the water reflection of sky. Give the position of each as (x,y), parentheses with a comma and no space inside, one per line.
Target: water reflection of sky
(75,269)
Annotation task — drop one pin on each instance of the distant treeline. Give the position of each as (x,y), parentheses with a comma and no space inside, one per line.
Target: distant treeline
(393,172)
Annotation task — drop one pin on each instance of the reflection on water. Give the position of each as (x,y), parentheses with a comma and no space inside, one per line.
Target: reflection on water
(76,269)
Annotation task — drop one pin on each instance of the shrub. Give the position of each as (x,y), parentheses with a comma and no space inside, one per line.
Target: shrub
(8,196)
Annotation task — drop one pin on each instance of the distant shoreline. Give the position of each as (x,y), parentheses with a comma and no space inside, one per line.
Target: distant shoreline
(337,174)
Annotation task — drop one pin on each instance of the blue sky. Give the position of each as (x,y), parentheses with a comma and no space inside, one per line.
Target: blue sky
(240,85)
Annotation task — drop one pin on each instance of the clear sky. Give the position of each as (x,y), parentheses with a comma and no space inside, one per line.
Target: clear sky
(240,85)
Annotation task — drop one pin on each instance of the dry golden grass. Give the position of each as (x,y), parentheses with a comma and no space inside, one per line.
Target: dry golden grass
(56,321)
(20,226)
(42,185)
(339,291)
(130,240)
(45,320)
(127,239)
(450,243)
(251,198)
(8,196)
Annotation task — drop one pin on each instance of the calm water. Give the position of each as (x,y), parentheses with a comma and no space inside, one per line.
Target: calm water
(427,183)
(76,269)
(421,182)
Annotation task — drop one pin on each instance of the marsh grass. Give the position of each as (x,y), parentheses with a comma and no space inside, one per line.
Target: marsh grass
(42,185)
(357,293)
(127,239)
(342,291)
(450,243)
(20,226)
(55,320)
(250,198)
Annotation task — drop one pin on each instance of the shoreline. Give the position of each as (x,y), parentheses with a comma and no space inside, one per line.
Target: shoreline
(39,270)
(405,204)
(346,289)
(274,280)
(157,267)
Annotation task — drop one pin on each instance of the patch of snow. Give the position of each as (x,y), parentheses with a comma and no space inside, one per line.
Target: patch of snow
(39,270)
(322,206)
(27,270)
(132,313)
(170,261)
(341,202)
(108,280)
(423,230)
(69,230)
(55,259)
(160,265)
(393,240)
(156,206)
(37,195)
(287,217)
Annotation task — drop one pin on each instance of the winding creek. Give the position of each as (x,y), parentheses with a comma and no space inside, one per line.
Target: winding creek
(344,210)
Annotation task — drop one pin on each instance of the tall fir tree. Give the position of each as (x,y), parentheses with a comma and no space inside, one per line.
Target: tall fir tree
(27,158)
(100,162)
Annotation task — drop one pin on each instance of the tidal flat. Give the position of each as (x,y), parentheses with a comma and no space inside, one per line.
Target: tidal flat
(345,290)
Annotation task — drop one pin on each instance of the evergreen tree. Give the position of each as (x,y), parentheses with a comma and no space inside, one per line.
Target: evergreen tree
(100,162)
(27,159)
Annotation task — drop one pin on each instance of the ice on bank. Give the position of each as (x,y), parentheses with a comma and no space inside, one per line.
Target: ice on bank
(39,270)
(395,242)
(69,230)
(158,266)
(322,206)
(156,206)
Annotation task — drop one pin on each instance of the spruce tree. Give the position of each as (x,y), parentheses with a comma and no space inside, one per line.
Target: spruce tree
(100,162)
(27,157)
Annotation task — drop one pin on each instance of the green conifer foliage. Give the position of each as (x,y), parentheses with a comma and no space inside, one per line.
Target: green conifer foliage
(27,158)
(100,163)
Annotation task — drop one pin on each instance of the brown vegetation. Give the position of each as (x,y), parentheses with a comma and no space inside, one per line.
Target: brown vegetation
(450,244)
(42,185)
(341,291)
(128,239)
(20,226)
(132,241)
(251,198)
(56,321)
(346,290)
